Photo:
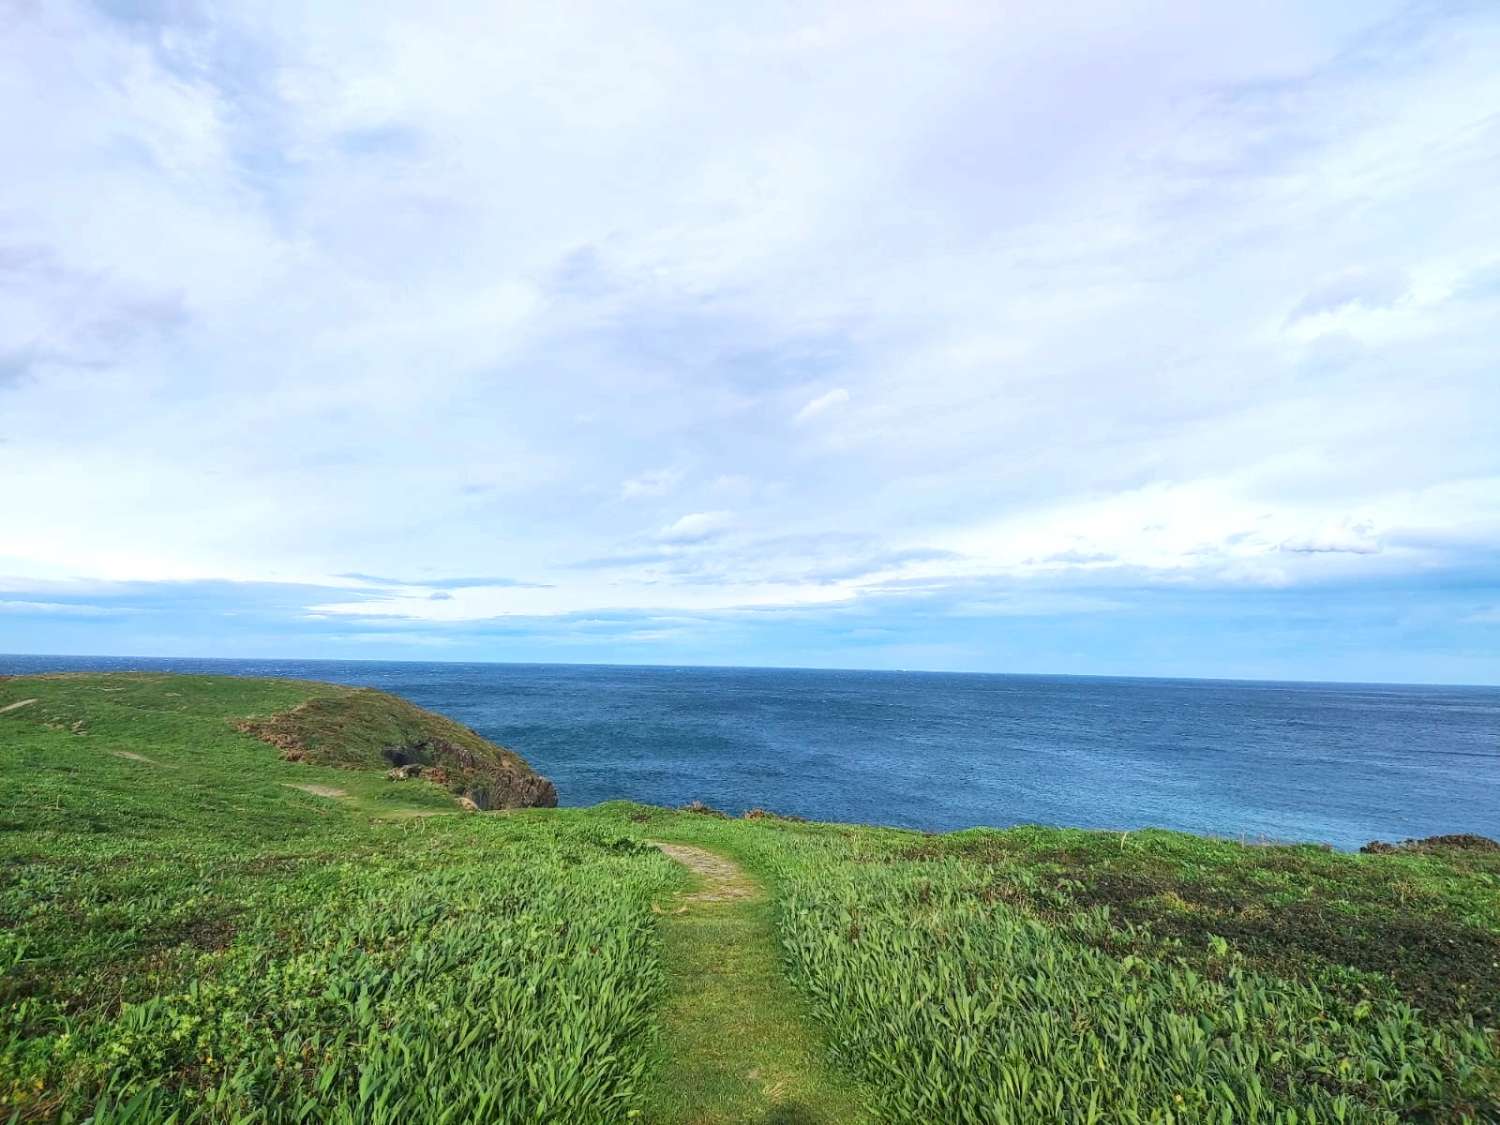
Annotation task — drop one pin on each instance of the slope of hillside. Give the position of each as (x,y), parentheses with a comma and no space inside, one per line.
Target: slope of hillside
(359,728)
(193,928)
(317,724)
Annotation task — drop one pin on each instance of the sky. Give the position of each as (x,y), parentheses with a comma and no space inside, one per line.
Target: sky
(1138,337)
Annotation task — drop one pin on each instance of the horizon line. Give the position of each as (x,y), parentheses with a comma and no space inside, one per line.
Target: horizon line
(762,668)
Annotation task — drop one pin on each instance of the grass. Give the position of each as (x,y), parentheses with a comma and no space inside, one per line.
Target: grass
(735,1044)
(358,728)
(185,937)
(188,938)
(978,977)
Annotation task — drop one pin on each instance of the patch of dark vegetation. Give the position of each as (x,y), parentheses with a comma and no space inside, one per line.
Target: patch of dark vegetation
(613,842)
(1356,925)
(704,810)
(1463,841)
(979,847)
(1440,965)
(280,864)
(209,934)
(791,1113)
(767,814)
(357,728)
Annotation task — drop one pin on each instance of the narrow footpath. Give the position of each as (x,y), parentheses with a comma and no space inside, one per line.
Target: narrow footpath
(735,1044)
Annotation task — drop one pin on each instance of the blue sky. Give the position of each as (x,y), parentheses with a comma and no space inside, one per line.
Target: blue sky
(1128,337)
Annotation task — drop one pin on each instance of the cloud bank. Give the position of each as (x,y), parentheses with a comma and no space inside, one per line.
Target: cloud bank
(812,334)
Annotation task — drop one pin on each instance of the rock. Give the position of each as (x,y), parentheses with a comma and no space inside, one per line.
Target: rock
(1462,841)
(479,799)
(706,810)
(347,727)
(512,791)
(1465,841)
(767,814)
(467,805)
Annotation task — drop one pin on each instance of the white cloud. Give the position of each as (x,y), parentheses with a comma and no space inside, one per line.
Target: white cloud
(695,527)
(822,404)
(1332,539)
(57,609)
(293,291)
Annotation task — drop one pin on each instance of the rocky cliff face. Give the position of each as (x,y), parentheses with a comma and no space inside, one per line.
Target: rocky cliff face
(358,728)
(485,786)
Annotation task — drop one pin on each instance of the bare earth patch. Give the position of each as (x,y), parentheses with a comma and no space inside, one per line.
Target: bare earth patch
(318,790)
(723,881)
(16,706)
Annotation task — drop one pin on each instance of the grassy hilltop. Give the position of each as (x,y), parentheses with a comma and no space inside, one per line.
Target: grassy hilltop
(215,905)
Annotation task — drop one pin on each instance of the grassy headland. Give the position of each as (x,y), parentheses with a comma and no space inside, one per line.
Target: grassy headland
(196,928)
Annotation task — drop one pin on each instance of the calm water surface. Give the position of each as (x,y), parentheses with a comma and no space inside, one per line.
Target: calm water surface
(1337,763)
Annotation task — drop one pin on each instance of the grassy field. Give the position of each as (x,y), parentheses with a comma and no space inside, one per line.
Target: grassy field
(1052,975)
(194,928)
(188,933)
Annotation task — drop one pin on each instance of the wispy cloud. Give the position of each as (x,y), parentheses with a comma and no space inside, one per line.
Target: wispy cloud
(443,583)
(824,403)
(1338,539)
(59,609)
(624,559)
(696,527)
(929,309)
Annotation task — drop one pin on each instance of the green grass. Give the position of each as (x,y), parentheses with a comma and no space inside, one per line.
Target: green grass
(735,1043)
(359,728)
(977,977)
(187,938)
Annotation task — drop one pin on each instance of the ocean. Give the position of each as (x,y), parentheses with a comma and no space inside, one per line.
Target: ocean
(1330,763)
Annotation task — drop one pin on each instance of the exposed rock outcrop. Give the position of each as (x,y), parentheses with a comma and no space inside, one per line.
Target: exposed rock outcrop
(1462,841)
(358,728)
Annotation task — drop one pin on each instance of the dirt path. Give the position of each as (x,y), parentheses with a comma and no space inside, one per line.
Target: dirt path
(735,1044)
(318,790)
(723,880)
(17,705)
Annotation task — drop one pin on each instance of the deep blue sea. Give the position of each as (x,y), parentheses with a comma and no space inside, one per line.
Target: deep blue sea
(1334,763)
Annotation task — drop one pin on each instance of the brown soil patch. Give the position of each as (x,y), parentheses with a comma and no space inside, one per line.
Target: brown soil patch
(318,790)
(16,706)
(723,880)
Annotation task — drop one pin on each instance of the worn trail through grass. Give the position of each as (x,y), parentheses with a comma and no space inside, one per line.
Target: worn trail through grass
(735,1044)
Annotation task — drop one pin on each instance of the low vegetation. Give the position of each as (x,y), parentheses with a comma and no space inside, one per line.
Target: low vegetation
(1043,974)
(189,934)
(358,728)
(192,933)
